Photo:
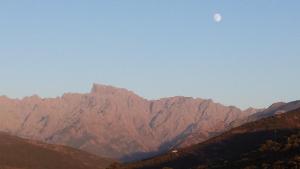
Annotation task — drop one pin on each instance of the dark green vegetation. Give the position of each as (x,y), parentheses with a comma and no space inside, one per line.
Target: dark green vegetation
(273,142)
(17,153)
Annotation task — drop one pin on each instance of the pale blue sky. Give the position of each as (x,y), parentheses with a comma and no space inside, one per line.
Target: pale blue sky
(156,48)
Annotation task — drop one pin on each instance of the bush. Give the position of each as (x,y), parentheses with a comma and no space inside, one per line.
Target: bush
(251,167)
(271,146)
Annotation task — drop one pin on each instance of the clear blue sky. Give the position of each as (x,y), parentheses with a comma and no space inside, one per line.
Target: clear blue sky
(157,48)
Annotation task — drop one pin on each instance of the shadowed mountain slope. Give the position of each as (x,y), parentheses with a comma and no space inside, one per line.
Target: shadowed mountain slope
(17,153)
(267,143)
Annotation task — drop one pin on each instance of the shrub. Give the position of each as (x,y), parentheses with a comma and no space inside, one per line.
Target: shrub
(271,146)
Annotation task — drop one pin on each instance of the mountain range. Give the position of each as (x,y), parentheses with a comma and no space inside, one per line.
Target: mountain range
(116,123)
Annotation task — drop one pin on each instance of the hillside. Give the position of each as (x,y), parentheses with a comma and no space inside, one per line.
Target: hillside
(17,153)
(276,108)
(272,142)
(140,127)
(254,115)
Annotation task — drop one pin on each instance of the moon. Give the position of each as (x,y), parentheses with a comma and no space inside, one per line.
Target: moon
(217,17)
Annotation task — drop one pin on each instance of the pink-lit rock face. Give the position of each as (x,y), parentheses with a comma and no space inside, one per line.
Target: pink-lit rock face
(114,122)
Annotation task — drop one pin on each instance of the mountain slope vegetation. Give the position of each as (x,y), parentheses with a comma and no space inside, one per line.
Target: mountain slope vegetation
(272,142)
(17,153)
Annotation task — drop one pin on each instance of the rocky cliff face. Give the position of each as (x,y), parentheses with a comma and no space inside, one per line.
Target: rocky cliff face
(114,122)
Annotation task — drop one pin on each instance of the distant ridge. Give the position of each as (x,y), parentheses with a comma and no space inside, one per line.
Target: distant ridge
(275,108)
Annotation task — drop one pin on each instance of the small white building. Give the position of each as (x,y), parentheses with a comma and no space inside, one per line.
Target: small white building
(174,151)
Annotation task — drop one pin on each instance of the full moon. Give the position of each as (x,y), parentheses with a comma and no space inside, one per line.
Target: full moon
(217,17)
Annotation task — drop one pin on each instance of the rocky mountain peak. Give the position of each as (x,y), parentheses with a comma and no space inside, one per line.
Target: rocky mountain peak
(100,89)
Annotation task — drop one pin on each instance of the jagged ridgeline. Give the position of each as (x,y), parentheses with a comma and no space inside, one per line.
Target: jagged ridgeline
(114,122)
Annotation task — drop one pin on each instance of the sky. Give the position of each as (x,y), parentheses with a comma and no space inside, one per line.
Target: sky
(156,48)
